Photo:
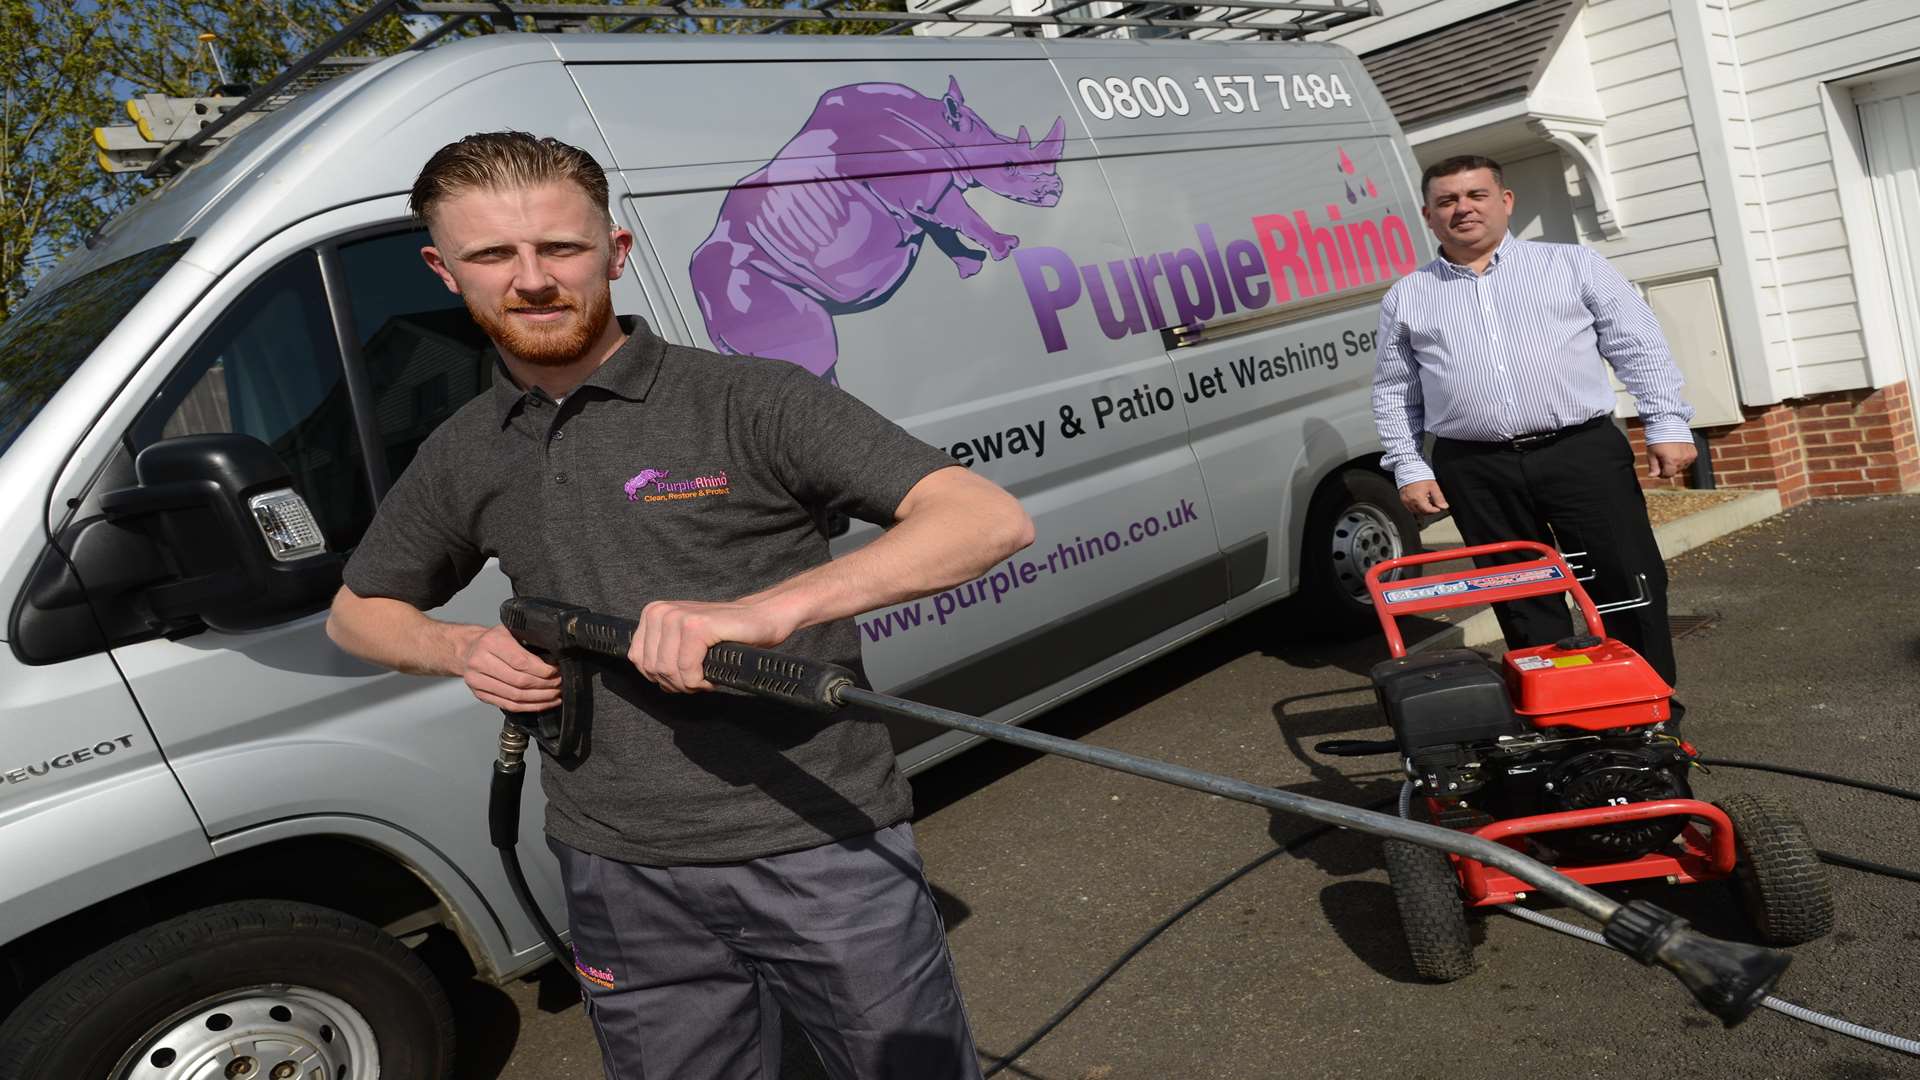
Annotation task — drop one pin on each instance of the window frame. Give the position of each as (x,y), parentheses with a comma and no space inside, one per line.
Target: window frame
(148,422)
(337,295)
(340,300)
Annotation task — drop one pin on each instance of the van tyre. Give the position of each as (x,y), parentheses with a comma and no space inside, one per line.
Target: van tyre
(275,981)
(1781,881)
(1431,913)
(1356,521)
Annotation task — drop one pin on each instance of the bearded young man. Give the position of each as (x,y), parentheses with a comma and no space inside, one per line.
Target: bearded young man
(724,858)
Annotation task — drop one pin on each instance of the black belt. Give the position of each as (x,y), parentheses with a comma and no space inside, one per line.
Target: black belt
(1534,441)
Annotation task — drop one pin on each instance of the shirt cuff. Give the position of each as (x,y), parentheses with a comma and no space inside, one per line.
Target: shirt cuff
(1668,429)
(1412,472)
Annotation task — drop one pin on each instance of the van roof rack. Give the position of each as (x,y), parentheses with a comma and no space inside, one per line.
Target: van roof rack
(1233,19)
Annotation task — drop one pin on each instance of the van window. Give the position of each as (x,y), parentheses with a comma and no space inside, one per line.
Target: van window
(57,329)
(270,368)
(423,354)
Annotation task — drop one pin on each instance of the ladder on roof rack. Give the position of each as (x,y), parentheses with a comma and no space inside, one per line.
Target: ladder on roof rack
(204,122)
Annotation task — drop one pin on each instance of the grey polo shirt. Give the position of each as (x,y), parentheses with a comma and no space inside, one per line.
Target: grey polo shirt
(669,474)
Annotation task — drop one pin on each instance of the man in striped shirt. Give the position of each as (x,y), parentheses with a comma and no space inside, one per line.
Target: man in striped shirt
(1501,347)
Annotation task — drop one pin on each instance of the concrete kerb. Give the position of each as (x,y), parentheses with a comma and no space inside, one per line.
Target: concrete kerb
(1674,537)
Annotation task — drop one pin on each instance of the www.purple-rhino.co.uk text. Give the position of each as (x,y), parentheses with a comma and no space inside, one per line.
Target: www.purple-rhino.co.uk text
(997,585)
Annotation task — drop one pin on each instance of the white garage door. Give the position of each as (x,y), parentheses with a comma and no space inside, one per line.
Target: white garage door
(1890,127)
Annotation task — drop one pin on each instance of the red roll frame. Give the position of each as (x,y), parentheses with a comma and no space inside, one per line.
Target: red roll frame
(1700,858)
(1549,574)
(1708,857)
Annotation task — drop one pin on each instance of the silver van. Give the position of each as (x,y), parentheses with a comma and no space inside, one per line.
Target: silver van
(1134,282)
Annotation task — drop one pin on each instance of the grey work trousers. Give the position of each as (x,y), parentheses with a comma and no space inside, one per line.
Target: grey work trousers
(686,969)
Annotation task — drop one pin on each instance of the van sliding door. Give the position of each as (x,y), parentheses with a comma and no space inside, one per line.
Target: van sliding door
(913,230)
(1269,210)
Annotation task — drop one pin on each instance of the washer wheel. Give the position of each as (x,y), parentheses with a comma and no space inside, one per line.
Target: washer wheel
(1779,875)
(1431,912)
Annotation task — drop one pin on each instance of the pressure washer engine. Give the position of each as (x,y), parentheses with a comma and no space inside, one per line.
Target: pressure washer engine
(1578,724)
(1567,751)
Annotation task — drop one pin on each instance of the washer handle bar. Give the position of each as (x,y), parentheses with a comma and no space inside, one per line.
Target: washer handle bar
(1729,979)
(1547,574)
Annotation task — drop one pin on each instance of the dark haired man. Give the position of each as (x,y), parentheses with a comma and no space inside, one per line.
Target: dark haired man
(724,859)
(1501,348)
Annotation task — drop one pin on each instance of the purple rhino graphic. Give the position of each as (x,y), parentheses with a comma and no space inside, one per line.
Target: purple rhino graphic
(832,225)
(647,476)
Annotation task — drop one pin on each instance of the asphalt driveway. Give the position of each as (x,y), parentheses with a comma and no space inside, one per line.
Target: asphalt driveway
(1049,870)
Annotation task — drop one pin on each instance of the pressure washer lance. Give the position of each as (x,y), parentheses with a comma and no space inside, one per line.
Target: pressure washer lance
(1728,979)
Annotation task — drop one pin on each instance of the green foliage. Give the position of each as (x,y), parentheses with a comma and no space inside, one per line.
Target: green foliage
(70,65)
(50,193)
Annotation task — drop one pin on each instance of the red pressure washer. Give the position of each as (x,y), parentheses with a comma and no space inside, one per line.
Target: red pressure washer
(1728,978)
(1565,752)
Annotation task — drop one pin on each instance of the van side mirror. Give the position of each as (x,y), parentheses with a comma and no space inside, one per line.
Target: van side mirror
(241,546)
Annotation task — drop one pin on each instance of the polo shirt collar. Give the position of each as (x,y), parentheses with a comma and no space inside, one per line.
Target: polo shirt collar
(629,373)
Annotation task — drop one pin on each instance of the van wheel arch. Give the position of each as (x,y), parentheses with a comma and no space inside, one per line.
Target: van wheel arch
(366,882)
(299,985)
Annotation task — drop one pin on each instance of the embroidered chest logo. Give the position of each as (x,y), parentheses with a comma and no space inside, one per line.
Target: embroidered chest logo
(657,485)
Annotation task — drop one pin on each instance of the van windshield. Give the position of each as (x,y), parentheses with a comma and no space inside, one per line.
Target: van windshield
(56,331)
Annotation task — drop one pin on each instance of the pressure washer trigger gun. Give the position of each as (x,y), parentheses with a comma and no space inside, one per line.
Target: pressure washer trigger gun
(565,636)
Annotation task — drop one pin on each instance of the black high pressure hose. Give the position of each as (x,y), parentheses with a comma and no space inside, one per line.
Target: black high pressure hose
(503,828)
(1368,747)
(1809,774)
(1060,1016)
(503,825)
(509,775)
(1161,927)
(1830,857)
(1727,978)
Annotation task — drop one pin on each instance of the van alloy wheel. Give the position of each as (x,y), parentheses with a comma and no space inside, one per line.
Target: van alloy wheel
(1356,522)
(1363,537)
(258,1033)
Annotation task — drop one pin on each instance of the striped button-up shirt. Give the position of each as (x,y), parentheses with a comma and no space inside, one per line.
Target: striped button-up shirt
(1515,351)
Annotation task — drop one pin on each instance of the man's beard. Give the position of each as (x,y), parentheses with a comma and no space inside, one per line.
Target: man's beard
(548,345)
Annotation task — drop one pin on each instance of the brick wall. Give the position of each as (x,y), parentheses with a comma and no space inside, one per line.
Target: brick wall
(1854,442)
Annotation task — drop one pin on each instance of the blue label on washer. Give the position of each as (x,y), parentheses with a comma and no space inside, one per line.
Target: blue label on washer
(1498,579)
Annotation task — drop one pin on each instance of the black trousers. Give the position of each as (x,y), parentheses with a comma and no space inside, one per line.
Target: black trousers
(1580,492)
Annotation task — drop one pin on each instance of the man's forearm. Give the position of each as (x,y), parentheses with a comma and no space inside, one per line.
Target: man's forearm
(951,537)
(1399,409)
(1399,418)
(397,635)
(1628,336)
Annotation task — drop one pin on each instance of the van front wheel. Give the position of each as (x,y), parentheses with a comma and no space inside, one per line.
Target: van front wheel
(256,988)
(1356,522)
